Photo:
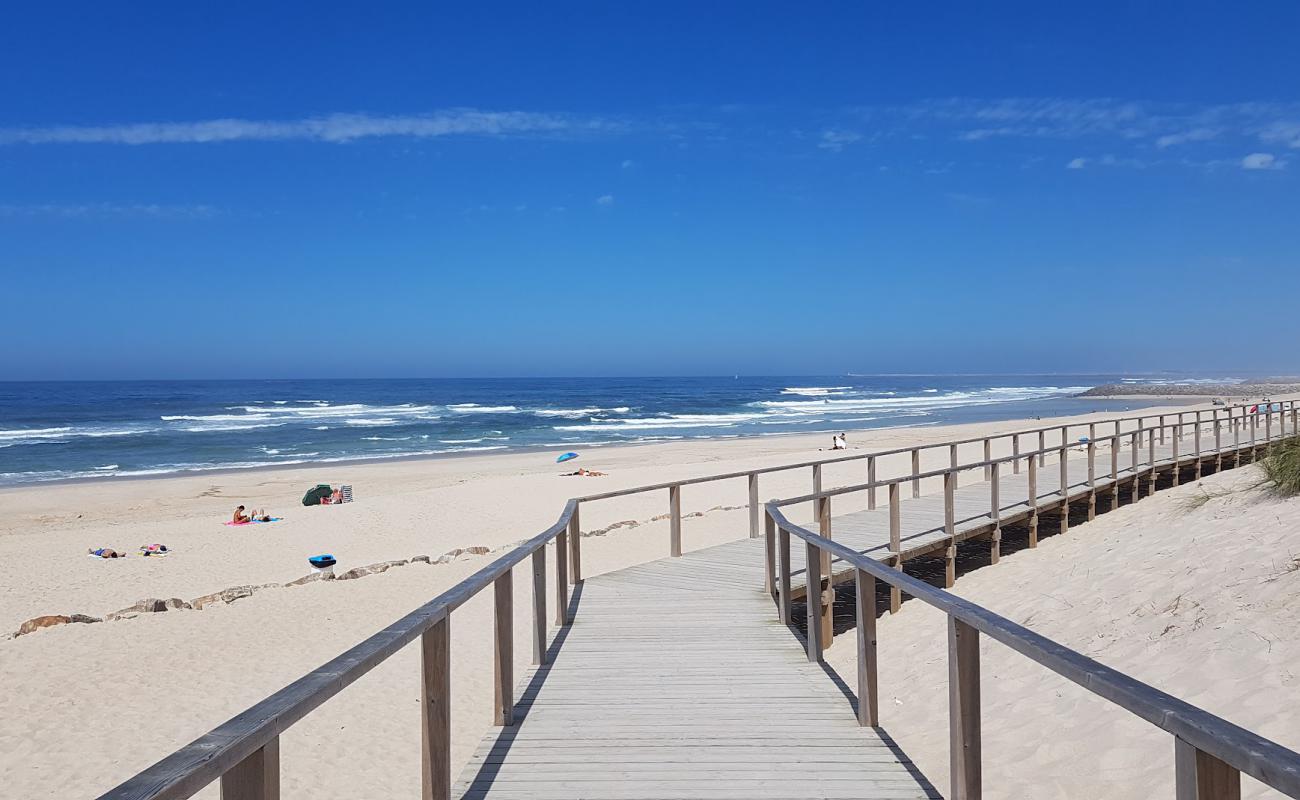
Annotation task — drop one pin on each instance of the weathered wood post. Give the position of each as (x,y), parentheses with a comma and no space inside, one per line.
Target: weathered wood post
(1135,444)
(1179,429)
(813,575)
(1015,454)
(952,461)
(868,696)
(257,777)
(827,596)
(1162,429)
(1196,440)
(964,710)
(755,529)
(988,456)
(1175,440)
(1151,458)
(916,470)
(503,649)
(562,578)
(769,555)
(995,515)
(871,479)
(816,482)
(1218,442)
(1042,448)
(1115,444)
(1200,776)
(435,706)
(539,606)
(895,546)
(784,601)
(1092,479)
(1033,502)
(575,548)
(950,529)
(675,520)
(1065,489)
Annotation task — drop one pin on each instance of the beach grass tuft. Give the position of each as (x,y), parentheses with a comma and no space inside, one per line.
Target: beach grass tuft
(1282,466)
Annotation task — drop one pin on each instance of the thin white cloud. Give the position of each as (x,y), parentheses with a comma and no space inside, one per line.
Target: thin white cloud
(834,140)
(1077,163)
(108,211)
(1283,132)
(1193,135)
(1262,161)
(336,128)
(605,200)
(627,164)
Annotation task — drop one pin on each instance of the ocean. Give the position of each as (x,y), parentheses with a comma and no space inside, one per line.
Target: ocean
(79,430)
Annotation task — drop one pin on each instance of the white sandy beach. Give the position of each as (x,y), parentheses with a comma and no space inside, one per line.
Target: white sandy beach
(87,705)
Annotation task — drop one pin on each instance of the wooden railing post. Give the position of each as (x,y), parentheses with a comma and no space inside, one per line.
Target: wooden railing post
(503,649)
(1042,448)
(1218,442)
(1115,444)
(1162,429)
(1033,502)
(868,696)
(1236,440)
(964,710)
(1092,479)
(916,470)
(995,514)
(1135,444)
(435,704)
(895,545)
(952,461)
(1196,438)
(812,598)
(949,529)
(539,606)
(257,777)
(988,456)
(561,578)
(816,478)
(828,597)
(1015,454)
(575,548)
(1200,776)
(1175,439)
(1179,429)
(755,530)
(871,479)
(1065,488)
(675,520)
(1151,458)
(784,602)
(769,555)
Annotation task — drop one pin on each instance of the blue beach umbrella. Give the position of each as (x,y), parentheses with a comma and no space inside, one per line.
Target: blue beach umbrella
(566,457)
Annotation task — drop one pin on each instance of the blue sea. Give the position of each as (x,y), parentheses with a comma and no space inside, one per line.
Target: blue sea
(79,430)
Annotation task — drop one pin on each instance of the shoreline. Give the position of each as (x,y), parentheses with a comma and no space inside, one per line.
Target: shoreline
(1148,401)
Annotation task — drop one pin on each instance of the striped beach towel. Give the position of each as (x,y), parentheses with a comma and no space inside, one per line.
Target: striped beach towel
(345,492)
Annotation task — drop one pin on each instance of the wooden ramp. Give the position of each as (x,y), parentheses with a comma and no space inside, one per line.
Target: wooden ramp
(922,519)
(675,680)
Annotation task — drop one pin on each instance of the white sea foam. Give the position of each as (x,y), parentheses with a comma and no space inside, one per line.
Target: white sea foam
(224,427)
(475,408)
(578,413)
(107,466)
(815,391)
(368,422)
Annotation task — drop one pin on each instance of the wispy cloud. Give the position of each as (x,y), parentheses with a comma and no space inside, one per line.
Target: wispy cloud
(1262,161)
(109,211)
(835,140)
(336,128)
(605,200)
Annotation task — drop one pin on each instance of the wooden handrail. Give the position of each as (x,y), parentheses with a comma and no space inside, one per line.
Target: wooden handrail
(1210,736)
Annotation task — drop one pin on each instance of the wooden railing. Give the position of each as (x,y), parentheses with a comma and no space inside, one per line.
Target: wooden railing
(243,753)
(1210,753)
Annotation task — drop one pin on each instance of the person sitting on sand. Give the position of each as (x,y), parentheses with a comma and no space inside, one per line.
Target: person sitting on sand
(240,517)
(586,473)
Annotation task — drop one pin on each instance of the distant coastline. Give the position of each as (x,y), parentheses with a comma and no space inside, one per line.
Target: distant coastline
(1265,387)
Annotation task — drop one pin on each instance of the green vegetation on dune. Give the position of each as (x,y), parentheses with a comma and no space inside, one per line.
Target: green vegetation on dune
(1282,466)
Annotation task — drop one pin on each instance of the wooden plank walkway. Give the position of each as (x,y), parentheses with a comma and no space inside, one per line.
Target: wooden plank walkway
(676,681)
(922,519)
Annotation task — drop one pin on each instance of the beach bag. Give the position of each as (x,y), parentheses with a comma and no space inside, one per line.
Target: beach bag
(314,494)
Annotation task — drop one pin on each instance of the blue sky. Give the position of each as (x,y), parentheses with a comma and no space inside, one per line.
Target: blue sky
(286,190)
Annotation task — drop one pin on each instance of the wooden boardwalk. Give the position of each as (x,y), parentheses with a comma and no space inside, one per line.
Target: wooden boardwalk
(922,519)
(675,680)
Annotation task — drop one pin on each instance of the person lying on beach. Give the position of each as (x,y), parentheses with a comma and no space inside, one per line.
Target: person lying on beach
(585,473)
(260,515)
(240,517)
(105,552)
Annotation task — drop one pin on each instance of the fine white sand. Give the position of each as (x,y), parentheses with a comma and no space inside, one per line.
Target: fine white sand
(85,706)
(1195,590)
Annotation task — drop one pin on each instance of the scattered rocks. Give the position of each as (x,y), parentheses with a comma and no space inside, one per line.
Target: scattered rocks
(420,559)
(50,620)
(312,578)
(224,596)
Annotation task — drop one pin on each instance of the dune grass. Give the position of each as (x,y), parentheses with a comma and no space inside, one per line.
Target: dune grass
(1282,466)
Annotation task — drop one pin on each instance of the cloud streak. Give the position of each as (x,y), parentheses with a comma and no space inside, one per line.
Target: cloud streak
(108,211)
(332,128)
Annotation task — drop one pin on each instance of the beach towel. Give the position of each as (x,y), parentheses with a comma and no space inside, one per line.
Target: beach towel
(252,522)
